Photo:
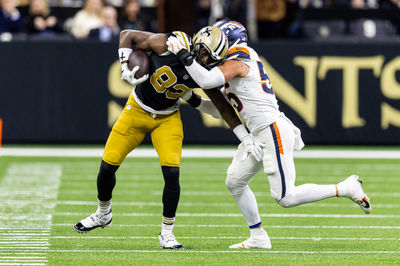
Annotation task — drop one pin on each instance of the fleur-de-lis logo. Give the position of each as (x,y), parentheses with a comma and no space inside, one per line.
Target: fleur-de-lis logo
(208,31)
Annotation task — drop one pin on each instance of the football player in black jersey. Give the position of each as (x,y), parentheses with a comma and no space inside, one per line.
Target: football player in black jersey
(153,107)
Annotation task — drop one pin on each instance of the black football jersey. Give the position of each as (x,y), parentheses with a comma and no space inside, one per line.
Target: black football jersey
(168,80)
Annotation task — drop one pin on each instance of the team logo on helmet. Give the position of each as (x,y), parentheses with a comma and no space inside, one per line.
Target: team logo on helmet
(208,31)
(235,31)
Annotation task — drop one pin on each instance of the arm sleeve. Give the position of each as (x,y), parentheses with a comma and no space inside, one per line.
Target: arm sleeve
(206,79)
(206,106)
(203,105)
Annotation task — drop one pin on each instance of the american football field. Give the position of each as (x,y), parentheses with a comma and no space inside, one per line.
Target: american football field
(42,197)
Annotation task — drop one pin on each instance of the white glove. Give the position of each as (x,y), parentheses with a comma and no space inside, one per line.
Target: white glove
(129,75)
(254,148)
(175,44)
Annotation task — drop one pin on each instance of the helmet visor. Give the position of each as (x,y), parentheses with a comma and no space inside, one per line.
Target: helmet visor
(204,57)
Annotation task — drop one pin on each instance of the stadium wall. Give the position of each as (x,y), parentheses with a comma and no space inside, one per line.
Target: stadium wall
(336,93)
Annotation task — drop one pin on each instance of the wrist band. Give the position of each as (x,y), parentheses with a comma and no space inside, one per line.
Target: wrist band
(240,132)
(123,54)
(185,57)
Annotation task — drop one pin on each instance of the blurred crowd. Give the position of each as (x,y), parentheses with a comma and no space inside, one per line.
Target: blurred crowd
(307,19)
(289,19)
(96,19)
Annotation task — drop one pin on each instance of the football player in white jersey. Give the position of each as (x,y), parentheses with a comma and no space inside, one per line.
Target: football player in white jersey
(249,89)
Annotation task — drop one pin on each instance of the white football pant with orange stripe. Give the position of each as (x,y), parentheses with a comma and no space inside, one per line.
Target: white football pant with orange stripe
(281,138)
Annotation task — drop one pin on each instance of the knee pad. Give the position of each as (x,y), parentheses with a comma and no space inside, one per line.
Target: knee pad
(233,182)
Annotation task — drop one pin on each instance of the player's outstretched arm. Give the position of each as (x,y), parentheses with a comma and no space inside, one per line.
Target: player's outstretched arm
(231,118)
(201,104)
(143,40)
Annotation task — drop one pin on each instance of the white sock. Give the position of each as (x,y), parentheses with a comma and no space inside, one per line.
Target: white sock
(167,225)
(248,205)
(308,193)
(103,207)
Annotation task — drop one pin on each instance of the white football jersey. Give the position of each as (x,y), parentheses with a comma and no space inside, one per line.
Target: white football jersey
(252,96)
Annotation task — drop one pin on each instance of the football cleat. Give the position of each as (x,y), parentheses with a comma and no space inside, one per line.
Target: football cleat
(351,188)
(168,241)
(255,241)
(93,221)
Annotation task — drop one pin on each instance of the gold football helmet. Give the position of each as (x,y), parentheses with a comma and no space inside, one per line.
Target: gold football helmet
(210,46)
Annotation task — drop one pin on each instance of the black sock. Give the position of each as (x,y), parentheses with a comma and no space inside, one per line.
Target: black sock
(106,181)
(171,191)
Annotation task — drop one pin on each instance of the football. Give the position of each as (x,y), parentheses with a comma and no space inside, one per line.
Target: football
(142,60)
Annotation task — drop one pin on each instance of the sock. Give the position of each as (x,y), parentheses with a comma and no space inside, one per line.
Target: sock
(167,225)
(248,205)
(103,207)
(171,192)
(106,181)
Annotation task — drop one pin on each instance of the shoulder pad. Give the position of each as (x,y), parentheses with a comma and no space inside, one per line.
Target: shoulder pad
(238,52)
(185,37)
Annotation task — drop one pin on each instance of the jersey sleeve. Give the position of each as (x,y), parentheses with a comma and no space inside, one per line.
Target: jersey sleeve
(238,52)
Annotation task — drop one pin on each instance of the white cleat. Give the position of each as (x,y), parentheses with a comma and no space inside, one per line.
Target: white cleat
(351,188)
(93,221)
(258,241)
(168,241)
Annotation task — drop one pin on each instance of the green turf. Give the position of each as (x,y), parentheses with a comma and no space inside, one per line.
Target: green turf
(132,239)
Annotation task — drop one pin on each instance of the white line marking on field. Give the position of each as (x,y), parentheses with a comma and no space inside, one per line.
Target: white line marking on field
(258,194)
(226,237)
(196,153)
(24,247)
(265,226)
(36,186)
(280,215)
(24,238)
(22,263)
(8,257)
(208,204)
(17,260)
(24,234)
(233,251)
(23,242)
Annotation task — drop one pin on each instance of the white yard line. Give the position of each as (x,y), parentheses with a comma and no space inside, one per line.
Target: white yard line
(29,193)
(231,237)
(280,215)
(189,204)
(230,251)
(20,263)
(195,153)
(376,227)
